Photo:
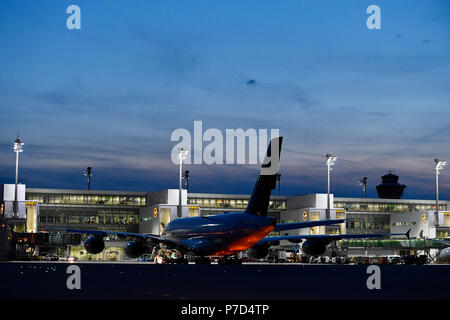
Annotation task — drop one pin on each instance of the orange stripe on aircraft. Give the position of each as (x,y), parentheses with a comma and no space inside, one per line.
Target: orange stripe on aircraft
(246,242)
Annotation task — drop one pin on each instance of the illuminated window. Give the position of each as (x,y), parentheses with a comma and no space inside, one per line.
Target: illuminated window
(440,234)
(446,219)
(93,199)
(164,218)
(55,199)
(193,211)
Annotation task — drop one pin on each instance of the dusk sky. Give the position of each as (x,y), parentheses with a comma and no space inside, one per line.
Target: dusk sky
(110,95)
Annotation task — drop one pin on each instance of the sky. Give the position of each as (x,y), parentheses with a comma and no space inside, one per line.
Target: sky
(110,95)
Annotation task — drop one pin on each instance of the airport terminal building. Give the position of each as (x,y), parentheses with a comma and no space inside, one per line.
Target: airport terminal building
(150,212)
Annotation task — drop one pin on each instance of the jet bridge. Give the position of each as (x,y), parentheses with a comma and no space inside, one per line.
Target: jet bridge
(395,244)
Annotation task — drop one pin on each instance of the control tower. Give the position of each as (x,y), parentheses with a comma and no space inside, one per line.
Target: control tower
(389,187)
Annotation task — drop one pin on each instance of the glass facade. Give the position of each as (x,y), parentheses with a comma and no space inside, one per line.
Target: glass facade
(367,223)
(116,219)
(99,211)
(82,199)
(386,207)
(232,203)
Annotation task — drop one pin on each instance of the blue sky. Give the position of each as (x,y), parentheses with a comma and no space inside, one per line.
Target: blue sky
(110,95)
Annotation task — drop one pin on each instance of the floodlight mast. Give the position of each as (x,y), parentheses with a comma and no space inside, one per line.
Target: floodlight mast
(279,182)
(181,156)
(18,148)
(440,164)
(88,173)
(186,178)
(330,162)
(363,183)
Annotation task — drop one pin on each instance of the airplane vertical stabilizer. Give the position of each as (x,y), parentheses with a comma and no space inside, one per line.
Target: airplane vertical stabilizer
(266,181)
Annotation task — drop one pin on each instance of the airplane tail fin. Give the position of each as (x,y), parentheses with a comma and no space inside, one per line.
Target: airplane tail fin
(266,181)
(407,233)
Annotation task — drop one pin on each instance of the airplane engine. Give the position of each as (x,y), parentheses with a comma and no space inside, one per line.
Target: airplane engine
(135,249)
(314,247)
(94,244)
(258,252)
(444,255)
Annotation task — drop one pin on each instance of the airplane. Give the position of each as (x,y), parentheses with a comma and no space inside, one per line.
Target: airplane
(312,245)
(444,255)
(223,235)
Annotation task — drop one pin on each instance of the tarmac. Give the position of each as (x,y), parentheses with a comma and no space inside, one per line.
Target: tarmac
(86,280)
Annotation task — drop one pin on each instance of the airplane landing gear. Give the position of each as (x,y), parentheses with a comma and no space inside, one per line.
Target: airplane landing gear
(164,256)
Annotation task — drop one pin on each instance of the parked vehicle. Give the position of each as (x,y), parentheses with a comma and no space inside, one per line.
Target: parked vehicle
(394,259)
(51,257)
(277,256)
(145,258)
(69,259)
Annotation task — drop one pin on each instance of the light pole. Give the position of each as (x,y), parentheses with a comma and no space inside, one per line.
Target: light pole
(18,144)
(186,178)
(330,162)
(88,173)
(363,183)
(181,156)
(440,164)
(279,182)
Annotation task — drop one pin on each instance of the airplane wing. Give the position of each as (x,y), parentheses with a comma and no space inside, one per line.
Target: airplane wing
(305,224)
(328,237)
(102,233)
